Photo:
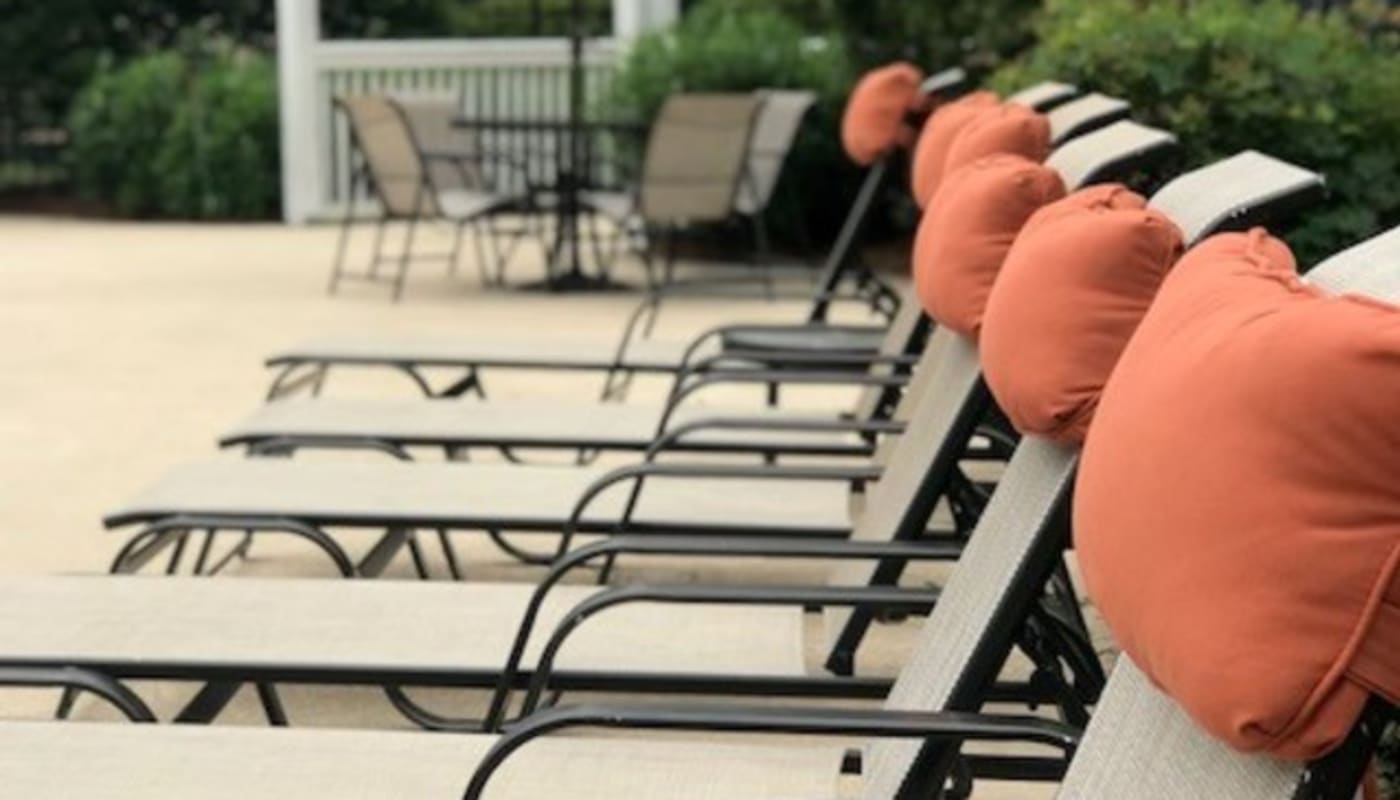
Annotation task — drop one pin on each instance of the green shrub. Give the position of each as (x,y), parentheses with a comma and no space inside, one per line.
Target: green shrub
(1225,75)
(977,34)
(189,133)
(727,46)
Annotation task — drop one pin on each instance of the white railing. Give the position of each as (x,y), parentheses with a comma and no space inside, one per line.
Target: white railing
(525,77)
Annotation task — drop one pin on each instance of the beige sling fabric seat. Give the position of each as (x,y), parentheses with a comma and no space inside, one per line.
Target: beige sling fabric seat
(409,627)
(42,760)
(532,424)
(457,495)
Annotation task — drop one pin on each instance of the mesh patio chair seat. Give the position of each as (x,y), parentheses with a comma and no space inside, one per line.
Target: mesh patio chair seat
(306,364)
(1093,157)
(773,132)
(694,167)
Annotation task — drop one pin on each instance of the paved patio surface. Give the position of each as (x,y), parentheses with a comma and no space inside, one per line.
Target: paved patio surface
(128,347)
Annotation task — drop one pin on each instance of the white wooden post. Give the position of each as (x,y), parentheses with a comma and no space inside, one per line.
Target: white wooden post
(632,18)
(298,34)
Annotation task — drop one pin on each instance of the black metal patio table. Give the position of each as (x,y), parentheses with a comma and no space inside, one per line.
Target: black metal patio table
(571,144)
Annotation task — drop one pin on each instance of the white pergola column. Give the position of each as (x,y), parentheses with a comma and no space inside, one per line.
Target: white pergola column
(632,18)
(298,32)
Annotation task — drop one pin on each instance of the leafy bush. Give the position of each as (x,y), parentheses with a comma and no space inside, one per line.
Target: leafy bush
(978,34)
(730,46)
(1226,75)
(180,133)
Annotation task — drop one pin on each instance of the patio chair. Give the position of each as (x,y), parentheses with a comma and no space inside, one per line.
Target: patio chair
(694,169)
(459,165)
(408,182)
(306,498)
(306,365)
(1117,150)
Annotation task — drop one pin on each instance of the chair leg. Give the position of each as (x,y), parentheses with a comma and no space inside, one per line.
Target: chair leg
(456,248)
(342,246)
(763,256)
(479,246)
(377,256)
(405,257)
(501,254)
(603,262)
(669,276)
(648,255)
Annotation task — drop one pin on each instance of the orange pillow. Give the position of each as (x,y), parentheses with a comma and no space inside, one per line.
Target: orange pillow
(1074,287)
(931,150)
(1236,514)
(1008,128)
(967,230)
(874,122)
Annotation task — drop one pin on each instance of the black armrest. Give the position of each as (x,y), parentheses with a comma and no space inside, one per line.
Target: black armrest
(889,598)
(674,436)
(701,546)
(855,473)
(79,679)
(945,726)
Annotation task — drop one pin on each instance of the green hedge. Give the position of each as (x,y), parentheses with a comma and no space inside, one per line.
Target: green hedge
(730,46)
(1231,74)
(187,133)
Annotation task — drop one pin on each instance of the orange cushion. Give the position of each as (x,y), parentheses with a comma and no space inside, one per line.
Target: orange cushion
(1074,287)
(931,150)
(1236,515)
(967,230)
(874,122)
(1008,128)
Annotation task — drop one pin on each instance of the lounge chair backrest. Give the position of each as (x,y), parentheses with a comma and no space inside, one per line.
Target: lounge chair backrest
(964,641)
(1084,114)
(908,328)
(942,82)
(1082,160)
(1044,95)
(431,121)
(391,155)
(1230,192)
(1372,268)
(1141,745)
(918,465)
(774,131)
(695,158)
